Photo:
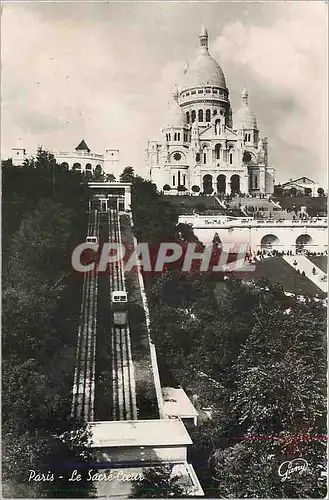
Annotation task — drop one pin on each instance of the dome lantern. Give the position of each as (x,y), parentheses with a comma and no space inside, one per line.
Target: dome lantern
(204,38)
(244,96)
(175,94)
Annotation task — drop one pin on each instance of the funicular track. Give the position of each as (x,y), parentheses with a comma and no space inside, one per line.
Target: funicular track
(84,377)
(123,379)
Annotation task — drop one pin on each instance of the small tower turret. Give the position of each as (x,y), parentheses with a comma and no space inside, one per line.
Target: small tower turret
(245,121)
(174,129)
(203,37)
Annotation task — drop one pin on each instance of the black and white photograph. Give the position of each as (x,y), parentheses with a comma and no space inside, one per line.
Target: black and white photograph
(164,170)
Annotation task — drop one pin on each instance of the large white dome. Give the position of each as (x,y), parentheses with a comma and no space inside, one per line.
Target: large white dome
(204,70)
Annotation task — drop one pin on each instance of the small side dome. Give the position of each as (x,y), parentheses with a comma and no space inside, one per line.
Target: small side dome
(245,118)
(176,116)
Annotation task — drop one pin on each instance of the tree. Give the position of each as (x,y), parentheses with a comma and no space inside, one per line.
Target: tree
(278,190)
(293,191)
(200,207)
(37,336)
(158,482)
(320,191)
(279,400)
(195,189)
(98,174)
(127,175)
(7,163)
(181,188)
(308,191)
(166,187)
(109,177)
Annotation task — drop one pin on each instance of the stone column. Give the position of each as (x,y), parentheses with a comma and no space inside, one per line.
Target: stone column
(244,180)
(262,180)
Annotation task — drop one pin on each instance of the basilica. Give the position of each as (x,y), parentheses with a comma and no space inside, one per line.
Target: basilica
(204,147)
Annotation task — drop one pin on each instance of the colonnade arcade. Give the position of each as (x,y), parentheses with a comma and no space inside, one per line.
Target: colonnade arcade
(84,167)
(221,184)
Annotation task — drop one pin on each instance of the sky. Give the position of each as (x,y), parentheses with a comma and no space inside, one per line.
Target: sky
(104,71)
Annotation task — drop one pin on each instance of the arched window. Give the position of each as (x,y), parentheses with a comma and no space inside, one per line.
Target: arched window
(208,115)
(207,184)
(178,136)
(235,184)
(217,151)
(175,136)
(173,180)
(205,151)
(200,115)
(215,112)
(88,169)
(221,184)
(98,171)
(193,116)
(197,157)
(231,158)
(256,182)
(169,137)
(76,166)
(187,117)
(65,165)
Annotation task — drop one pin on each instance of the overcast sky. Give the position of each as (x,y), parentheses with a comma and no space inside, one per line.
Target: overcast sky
(104,72)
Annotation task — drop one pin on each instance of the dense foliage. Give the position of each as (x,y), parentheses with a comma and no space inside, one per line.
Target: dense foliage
(255,356)
(43,219)
(158,482)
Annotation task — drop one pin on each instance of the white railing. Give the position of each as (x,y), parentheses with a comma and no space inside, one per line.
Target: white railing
(82,154)
(202,221)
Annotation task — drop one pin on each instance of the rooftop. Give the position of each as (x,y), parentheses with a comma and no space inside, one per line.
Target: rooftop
(82,146)
(119,485)
(167,432)
(177,403)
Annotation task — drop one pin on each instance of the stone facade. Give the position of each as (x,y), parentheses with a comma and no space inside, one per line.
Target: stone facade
(81,159)
(203,146)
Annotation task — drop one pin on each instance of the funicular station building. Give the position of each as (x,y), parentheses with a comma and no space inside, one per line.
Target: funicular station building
(106,195)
